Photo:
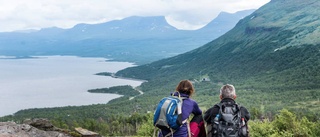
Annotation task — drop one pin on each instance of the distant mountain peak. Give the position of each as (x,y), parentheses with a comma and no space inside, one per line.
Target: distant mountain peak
(128,25)
(153,23)
(224,21)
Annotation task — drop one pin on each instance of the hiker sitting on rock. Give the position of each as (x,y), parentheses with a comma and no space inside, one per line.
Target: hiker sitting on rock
(227,118)
(184,90)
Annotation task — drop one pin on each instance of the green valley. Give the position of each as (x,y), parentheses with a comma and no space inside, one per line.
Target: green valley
(272,57)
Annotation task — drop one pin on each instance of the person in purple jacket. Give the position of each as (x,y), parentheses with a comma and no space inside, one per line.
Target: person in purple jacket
(185,88)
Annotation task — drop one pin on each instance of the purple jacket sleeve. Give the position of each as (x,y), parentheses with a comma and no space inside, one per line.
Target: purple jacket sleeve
(190,106)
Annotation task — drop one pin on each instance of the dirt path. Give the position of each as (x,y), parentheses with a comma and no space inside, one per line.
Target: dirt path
(140,91)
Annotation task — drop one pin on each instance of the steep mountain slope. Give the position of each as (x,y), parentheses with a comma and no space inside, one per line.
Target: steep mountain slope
(134,39)
(274,50)
(258,38)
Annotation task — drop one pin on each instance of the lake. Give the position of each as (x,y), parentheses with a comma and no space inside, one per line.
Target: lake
(55,81)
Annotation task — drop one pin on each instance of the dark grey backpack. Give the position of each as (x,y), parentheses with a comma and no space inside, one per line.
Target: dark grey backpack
(229,122)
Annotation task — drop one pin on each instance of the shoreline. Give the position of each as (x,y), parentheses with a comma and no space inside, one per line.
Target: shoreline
(37,87)
(113,75)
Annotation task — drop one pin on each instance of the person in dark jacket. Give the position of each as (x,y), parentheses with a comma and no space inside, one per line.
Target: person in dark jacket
(185,89)
(227,94)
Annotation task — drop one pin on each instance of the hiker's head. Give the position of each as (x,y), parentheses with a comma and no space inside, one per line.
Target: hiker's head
(185,86)
(228,91)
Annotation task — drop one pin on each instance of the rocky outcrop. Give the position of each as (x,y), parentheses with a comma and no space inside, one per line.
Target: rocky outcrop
(31,128)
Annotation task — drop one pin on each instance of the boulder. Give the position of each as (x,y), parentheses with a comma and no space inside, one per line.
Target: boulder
(31,128)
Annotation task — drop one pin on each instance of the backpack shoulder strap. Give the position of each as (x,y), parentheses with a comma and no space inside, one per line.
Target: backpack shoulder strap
(212,117)
(221,104)
(238,107)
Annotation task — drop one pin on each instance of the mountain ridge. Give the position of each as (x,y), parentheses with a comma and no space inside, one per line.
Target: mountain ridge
(133,23)
(252,56)
(249,32)
(134,39)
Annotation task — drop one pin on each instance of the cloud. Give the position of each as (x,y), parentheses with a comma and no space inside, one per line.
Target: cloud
(183,14)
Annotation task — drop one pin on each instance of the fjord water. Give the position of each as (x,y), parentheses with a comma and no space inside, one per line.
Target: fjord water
(54,81)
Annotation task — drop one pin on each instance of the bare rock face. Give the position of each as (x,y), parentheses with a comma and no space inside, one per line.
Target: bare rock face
(30,128)
(40,123)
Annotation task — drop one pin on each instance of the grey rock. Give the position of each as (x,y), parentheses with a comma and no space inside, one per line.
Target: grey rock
(31,128)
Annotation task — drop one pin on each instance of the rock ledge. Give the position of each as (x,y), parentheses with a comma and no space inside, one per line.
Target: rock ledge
(31,128)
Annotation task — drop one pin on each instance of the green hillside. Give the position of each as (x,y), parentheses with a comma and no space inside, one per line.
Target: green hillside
(271,56)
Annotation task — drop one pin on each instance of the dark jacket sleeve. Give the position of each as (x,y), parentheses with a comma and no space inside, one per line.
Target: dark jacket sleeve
(245,113)
(211,113)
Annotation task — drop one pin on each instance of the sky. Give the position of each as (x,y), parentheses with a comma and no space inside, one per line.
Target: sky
(182,14)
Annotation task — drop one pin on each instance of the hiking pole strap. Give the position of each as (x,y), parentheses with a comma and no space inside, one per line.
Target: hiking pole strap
(154,132)
(170,134)
(189,131)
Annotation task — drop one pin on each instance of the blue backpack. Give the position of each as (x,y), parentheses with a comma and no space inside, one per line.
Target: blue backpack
(168,114)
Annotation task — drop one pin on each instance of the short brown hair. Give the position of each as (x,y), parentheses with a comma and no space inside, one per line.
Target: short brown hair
(185,86)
